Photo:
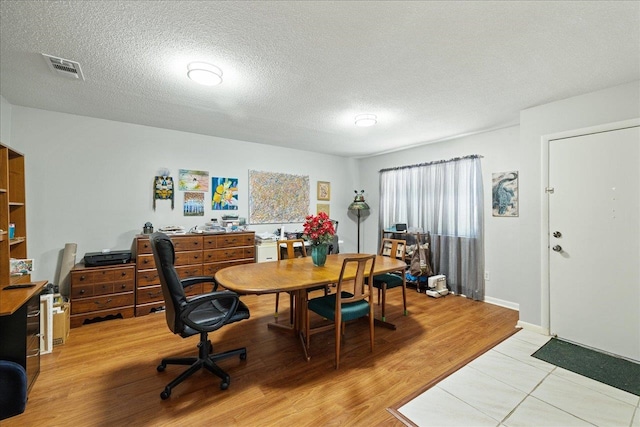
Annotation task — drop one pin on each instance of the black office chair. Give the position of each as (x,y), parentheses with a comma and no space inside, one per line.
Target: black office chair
(199,314)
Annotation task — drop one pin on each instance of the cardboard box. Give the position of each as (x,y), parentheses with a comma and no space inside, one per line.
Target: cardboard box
(61,323)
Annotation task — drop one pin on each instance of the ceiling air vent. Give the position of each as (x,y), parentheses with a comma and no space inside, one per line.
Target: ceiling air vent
(64,67)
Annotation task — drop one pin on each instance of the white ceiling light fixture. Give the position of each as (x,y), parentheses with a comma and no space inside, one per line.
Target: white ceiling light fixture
(366,120)
(205,74)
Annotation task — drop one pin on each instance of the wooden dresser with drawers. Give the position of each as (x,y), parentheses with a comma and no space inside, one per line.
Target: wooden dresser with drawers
(196,255)
(101,292)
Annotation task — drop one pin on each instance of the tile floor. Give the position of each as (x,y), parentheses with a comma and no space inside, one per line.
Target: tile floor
(506,387)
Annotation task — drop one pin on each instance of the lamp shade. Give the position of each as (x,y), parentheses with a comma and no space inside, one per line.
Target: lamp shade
(359,206)
(358,203)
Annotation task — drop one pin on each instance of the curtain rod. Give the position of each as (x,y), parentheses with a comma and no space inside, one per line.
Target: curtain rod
(472,156)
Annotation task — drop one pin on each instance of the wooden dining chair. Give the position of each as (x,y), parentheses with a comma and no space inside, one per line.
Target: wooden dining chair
(290,252)
(352,300)
(396,249)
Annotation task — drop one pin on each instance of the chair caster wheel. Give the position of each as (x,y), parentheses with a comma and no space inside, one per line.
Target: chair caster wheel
(224,385)
(243,356)
(165,394)
(161,368)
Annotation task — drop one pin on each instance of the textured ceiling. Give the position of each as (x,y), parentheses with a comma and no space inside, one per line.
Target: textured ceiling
(296,73)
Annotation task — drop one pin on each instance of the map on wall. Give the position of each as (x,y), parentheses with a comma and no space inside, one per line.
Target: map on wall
(276,198)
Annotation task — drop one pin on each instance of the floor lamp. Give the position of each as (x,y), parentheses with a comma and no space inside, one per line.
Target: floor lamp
(359,205)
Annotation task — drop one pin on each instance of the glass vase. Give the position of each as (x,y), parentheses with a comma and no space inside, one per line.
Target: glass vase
(319,254)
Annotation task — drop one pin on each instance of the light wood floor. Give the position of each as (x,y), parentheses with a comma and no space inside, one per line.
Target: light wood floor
(105,375)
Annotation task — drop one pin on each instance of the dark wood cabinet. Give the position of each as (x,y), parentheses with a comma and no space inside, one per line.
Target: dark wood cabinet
(100,292)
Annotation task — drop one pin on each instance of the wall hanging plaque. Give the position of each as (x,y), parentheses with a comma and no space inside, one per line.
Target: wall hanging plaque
(162,189)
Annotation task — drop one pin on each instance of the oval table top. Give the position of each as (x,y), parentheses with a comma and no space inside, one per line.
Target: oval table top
(294,274)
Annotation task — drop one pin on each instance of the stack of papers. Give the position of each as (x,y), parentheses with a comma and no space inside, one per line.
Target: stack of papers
(265,237)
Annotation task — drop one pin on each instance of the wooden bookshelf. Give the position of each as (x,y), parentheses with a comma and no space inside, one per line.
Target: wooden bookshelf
(12,210)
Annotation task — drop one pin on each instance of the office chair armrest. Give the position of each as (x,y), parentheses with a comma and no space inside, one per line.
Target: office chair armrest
(219,298)
(199,279)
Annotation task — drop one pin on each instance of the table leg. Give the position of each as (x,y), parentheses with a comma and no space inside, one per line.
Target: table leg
(379,322)
(299,320)
(286,327)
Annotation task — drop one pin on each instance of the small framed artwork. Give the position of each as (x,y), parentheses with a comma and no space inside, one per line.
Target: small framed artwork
(324,190)
(504,194)
(323,207)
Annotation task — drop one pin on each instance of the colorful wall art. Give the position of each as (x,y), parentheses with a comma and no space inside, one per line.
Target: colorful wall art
(277,198)
(225,193)
(193,204)
(189,180)
(505,193)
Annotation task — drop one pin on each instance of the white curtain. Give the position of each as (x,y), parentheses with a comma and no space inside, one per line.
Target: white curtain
(445,199)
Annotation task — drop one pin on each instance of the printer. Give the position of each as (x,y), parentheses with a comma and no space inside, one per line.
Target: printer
(96,259)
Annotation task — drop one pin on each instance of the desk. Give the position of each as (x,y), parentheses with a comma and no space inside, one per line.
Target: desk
(20,328)
(295,276)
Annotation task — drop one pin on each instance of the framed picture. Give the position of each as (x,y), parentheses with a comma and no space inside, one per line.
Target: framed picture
(323,207)
(504,194)
(324,190)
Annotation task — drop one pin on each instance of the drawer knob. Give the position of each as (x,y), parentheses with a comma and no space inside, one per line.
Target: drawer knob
(82,291)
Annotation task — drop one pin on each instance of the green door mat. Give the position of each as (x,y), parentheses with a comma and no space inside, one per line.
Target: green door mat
(611,370)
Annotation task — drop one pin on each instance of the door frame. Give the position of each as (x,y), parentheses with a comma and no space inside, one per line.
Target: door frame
(544,224)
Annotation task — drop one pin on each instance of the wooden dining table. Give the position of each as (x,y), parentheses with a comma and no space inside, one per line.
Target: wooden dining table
(296,276)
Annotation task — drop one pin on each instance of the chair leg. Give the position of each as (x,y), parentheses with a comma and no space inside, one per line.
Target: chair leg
(277,302)
(384,301)
(371,327)
(404,298)
(291,308)
(338,332)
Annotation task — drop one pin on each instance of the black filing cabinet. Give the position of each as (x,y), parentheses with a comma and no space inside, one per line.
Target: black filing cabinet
(20,340)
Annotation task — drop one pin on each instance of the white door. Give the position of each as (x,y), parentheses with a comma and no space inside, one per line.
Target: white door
(594,253)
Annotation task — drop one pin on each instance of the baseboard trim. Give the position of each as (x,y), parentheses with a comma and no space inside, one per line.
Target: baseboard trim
(502,303)
(533,328)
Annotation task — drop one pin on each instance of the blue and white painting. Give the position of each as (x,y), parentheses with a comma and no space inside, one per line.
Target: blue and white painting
(505,193)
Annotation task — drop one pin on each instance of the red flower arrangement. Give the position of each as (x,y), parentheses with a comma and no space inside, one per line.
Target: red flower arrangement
(318,229)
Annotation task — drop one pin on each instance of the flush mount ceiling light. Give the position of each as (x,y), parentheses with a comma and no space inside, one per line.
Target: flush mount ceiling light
(365,120)
(205,74)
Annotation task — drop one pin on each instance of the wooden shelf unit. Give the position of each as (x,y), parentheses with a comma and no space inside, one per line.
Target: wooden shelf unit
(12,210)
(19,308)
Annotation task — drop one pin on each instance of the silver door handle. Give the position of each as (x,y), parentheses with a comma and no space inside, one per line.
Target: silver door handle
(557,248)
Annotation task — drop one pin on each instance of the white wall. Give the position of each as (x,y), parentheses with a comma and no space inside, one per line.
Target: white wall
(5,121)
(605,106)
(500,149)
(90,181)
